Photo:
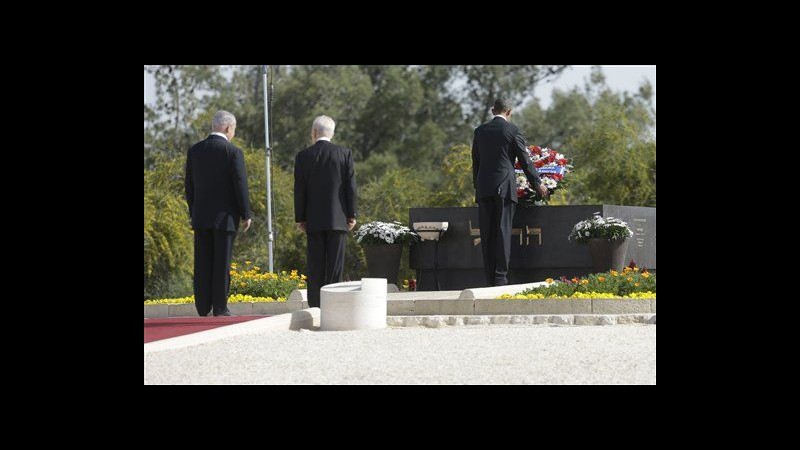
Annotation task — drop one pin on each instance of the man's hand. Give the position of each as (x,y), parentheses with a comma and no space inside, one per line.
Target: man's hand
(351,222)
(542,190)
(247,224)
(302,226)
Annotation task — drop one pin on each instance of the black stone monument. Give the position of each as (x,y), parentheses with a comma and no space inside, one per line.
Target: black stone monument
(539,247)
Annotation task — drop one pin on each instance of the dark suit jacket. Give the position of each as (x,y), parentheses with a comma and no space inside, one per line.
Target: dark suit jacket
(324,187)
(216,185)
(494,147)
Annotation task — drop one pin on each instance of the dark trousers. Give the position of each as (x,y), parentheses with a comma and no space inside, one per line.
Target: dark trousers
(325,261)
(212,265)
(495,215)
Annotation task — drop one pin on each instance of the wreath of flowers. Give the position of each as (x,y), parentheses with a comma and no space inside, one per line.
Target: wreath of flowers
(552,167)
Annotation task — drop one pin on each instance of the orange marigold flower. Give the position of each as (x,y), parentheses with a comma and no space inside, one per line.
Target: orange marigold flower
(601,279)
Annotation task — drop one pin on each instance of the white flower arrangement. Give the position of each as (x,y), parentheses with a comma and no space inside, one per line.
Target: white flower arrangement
(609,228)
(384,233)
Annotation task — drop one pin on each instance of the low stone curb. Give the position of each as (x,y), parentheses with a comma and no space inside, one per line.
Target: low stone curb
(493,306)
(453,306)
(558,319)
(240,309)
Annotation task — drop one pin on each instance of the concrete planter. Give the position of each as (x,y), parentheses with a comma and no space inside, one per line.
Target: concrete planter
(607,255)
(383,261)
(355,305)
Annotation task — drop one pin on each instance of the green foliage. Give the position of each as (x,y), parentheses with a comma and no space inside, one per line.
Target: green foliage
(289,242)
(612,282)
(484,84)
(608,137)
(375,166)
(457,189)
(181,93)
(168,238)
(389,197)
(616,162)
(341,92)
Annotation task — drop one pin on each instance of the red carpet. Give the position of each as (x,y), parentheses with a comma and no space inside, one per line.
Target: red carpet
(157,329)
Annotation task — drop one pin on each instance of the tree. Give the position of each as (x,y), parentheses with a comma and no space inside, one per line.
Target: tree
(458,189)
(616,161)
(389,117)
(484,84)
(168,251)
(181,93)
(341,92)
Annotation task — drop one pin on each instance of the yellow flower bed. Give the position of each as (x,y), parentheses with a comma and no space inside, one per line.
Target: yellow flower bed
(236,298)
(249,280)
(578,295)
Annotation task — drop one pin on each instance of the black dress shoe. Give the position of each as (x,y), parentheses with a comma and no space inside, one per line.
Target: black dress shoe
(227,312)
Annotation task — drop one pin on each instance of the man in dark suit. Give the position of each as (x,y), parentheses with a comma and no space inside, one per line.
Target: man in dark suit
(218,198)
(495,146)
(324,205)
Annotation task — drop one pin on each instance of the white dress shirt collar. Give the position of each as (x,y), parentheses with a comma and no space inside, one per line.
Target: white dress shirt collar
(500,115)
(323,138)
(217,133)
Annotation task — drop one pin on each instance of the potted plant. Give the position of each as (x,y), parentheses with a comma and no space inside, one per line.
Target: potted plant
(607,238)
(383,247)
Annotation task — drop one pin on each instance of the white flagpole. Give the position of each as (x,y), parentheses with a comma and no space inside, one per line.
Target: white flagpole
(269,177)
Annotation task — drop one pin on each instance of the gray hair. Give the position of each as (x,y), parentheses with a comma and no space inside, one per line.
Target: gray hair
(221,120)
(324,126)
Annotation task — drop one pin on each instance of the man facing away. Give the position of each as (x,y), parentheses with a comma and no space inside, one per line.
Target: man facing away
(218,198)
(324,205)
(495,146)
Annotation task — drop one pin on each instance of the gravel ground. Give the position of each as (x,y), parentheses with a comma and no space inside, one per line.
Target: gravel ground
(496,354)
